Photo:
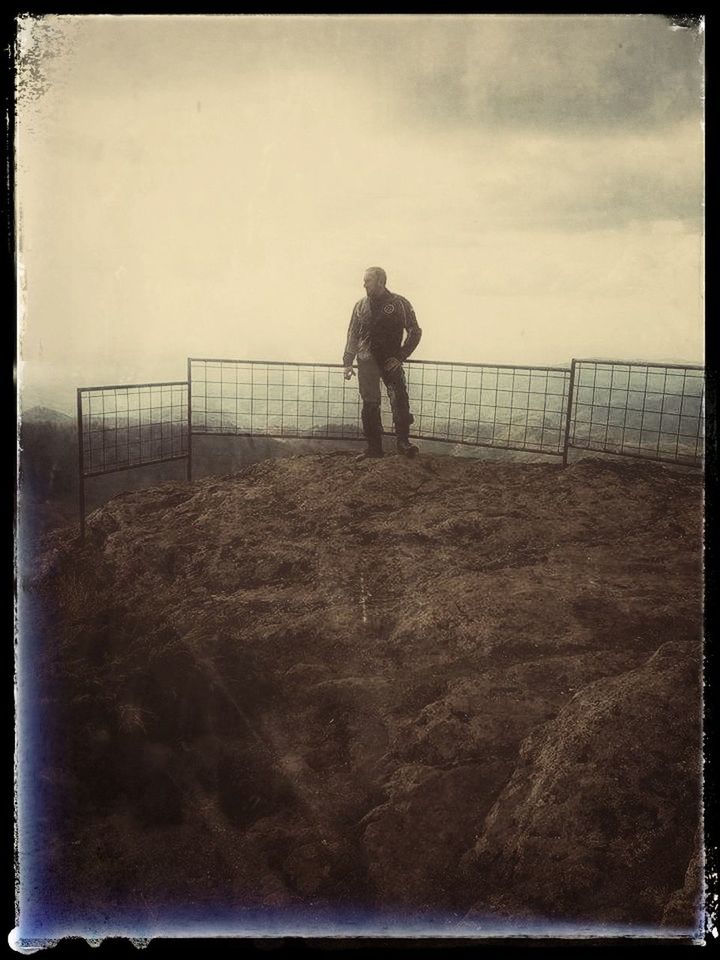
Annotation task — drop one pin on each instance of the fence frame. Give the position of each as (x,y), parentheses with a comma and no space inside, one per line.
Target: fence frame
(647,364)
(339,366)
(82,475)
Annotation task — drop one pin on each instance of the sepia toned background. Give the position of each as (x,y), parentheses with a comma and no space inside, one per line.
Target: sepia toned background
(303,694)
(215,186)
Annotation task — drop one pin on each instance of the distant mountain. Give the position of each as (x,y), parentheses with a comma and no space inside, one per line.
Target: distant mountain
(45,415)
(673,361)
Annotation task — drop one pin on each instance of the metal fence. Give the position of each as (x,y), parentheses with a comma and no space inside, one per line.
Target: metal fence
(272,399)
(494,405)
(516,408)
(649,410)
(122,427)
(653,411)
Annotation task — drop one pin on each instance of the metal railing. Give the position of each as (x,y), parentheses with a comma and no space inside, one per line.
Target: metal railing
(516,408)
(489,405)
(653,411)
(124,426)
(272,399)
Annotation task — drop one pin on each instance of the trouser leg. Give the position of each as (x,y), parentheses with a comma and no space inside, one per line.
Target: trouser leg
(399,401)
(371,421)
(369,384)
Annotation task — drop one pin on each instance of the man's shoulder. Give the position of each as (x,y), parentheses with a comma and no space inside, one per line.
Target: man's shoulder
(402,301)
(361,304)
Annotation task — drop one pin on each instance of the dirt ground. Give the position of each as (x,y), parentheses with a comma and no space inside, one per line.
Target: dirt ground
(434,688)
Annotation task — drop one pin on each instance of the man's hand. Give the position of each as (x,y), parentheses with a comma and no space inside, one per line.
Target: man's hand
(349,373)
(391,364)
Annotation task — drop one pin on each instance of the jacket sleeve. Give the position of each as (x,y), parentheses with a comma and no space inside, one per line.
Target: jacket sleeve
(351,345)
(413,333)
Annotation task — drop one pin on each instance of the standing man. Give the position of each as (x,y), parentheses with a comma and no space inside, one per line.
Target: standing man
(375,335)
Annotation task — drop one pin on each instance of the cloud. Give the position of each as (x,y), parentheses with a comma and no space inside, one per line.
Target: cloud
(217,185)
(568,73)
(564,72)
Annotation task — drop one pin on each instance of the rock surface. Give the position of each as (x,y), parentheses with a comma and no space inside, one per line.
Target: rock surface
(439,686)
(587,824)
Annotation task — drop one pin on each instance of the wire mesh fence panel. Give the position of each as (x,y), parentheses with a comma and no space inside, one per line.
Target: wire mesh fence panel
(521,408)
(129,426)
(652,411)
(512,407)
(258,398)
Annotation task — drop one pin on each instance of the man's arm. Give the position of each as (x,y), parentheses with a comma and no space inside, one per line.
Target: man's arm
(413,333)
(351,345)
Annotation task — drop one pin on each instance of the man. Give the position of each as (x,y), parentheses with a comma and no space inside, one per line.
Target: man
(375,335)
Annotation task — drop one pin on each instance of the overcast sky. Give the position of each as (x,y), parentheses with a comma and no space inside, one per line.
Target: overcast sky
(215,186)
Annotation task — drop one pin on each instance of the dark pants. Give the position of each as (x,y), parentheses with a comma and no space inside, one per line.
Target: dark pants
(369,375)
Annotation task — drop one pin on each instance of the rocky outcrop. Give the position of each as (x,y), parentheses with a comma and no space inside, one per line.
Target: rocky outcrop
(602,808)
(440,686)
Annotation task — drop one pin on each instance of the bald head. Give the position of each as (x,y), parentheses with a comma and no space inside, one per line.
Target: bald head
(374,281)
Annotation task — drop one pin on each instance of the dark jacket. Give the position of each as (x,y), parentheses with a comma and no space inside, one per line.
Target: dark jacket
(376,329)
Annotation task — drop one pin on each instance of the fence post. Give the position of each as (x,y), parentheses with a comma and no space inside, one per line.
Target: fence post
(81,465)
(571,392)
(189,417)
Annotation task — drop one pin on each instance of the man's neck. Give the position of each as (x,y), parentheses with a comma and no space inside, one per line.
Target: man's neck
(380,294)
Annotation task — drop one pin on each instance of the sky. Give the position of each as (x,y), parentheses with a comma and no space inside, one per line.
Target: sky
(215,186)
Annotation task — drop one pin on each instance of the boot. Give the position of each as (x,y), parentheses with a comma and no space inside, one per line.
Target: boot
(372,428)
(374,450)
(405,448)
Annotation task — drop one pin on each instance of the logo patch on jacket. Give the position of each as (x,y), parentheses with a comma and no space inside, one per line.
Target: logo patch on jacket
(389,308)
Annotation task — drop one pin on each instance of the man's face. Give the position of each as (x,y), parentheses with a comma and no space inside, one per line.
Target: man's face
(372,284)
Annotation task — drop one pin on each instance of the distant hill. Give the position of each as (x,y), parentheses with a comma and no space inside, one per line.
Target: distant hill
(46,415)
